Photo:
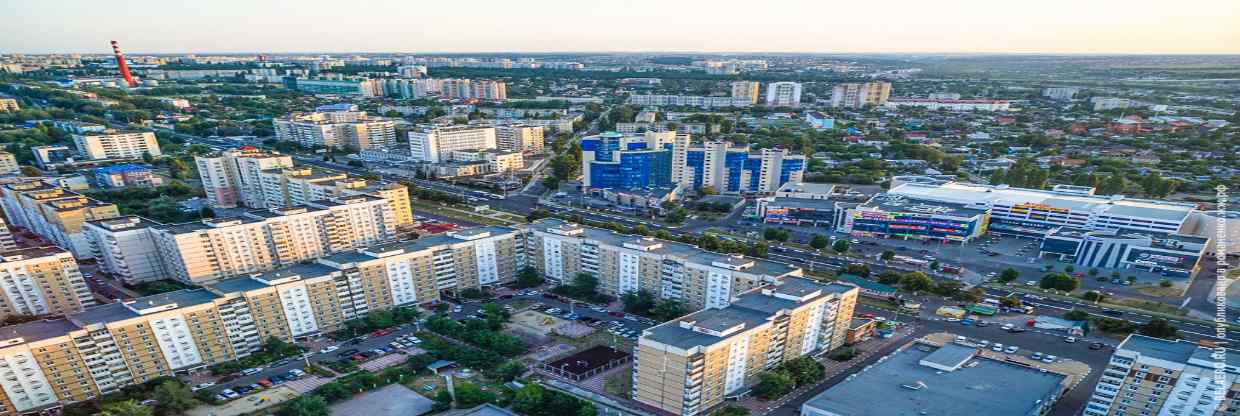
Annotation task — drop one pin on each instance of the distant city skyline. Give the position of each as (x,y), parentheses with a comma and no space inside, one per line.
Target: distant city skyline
(901,26)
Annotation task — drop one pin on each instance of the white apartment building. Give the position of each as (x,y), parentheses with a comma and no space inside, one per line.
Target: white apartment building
(498,161)
(41,281)
(747,90)
(116,145)
(519,138)
(432,143)
(629,263)
(1060,93)
(783,94)
(213,249)
(337,129)
(283,187)
(234,177)
(689,101)
(125,247)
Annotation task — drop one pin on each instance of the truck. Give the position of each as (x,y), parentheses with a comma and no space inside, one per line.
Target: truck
(951,312)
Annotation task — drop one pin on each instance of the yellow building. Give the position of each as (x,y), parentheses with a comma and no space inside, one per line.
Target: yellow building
(41,281)
(689,365)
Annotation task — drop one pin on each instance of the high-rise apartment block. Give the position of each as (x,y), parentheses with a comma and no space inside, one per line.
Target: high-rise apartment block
(747,90)
(337,129)
(9,104)
(213,249)
(1060,93)
(41,281)
(519,138)
(856,95)
(1153,376)
(233,177)
(728,169)
(689,365)
(8,163)
(125,248)
(477,89)
(433,143)
(116,145)
(629,263)
(654,159)
(783,94)
(345,86)
(53,212)
(6,237)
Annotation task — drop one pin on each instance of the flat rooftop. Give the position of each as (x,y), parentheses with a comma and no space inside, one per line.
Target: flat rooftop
(1178,351)
(969,194)
(902,203)
(751,309)
(38,330)
(906,387)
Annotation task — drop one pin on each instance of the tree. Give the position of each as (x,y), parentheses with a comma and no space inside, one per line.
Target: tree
(529,399)
(173,397)
(1093,296)
(308,405)
(511,370)
(667,309)
(1093,271)
(915,282)
(1159,328)
(934,265)
(887,255)
(840,246)
(639,302)
(537,214)
(889,277)
(470,395)
(819,242)
(528,277)
(1059,281)
(1076,315)
(443,400)
(1164,283)
(1007,275)
(772,385)
(804,370)
(126,408)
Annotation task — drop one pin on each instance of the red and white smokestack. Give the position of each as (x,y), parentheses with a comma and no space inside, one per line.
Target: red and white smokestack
(122,66)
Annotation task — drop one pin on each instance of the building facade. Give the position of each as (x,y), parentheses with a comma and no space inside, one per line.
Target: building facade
(354,130)
(41,281)
(432,143)
(1153,376)
(519,138)
(747,90)
(783,94)
(233,178)
(53,212)
(856,95)
(689,365)
(116,145)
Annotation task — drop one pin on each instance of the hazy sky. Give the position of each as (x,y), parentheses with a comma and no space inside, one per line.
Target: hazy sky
(1070,26)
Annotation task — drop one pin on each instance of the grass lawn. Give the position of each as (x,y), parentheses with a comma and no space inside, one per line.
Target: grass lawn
(619,384)
(1162,292)
(1146,305)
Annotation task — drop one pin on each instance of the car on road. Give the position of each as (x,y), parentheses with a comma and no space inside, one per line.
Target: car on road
(265,382)
(202,386)
(1097,346)
(983,323)
(1112,312)
(967,321)
(1049,359)
(1036,356)
(1070,340)
(347,353)
(329,349)
(960,339)
(296,372)
(230,394)
(1011,349)
(251,371)
(983,343)
(997,347)
(1007,327)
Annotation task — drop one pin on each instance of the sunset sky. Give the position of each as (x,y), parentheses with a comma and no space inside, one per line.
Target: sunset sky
(827,26)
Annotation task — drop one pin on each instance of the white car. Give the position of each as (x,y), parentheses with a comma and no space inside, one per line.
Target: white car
(329,349)
(1070,340)
(997,347)
(1008,327)
(1049,359)
(983,343)
(202,386)
(1011,349)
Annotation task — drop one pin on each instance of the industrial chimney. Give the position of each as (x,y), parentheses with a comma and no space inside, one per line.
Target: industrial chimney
(122,66)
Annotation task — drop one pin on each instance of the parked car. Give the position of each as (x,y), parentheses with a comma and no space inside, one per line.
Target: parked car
(251,371)
(1097,346)
(265,382)
(1036,356)
(202,386)
(329,349)
(1011,349)
(1069,340)
(1049,359)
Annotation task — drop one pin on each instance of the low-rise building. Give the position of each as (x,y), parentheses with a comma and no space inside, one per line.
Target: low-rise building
(116,145)
(120,176)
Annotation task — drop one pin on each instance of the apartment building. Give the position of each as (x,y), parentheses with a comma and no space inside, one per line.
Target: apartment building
(689,365)
(337,129)
(116,145)
(8,163)
(432,143)
(41,281)
(856,95)
(497,161)
(233,177)
(125,248)
(728,169)
(747,90)
(261,240)
(1153,376)
(9,104)
(489,90)
(53,212)
(6,237)
(783,94)
(629,263)
(282,187)
(519,138)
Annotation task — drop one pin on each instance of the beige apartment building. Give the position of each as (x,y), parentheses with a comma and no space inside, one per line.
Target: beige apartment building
(9,104)
(260,240)
(234,177)
(298,186)
(519,138)
(629,263)
(355,130)
(856,95)
(8,163)
(53,212)
(1153,376)
(41,281)
(689,365)
(112,144)
(747,90)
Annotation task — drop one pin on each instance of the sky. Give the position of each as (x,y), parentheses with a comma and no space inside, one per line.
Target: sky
(439,26)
